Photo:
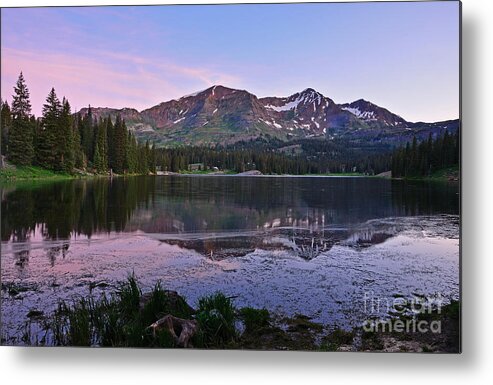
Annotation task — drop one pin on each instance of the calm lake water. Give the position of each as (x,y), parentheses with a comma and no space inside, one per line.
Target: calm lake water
(310,245)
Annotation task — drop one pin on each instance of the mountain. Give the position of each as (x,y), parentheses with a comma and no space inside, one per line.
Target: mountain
(309,113)
(214,115)
(371,113)
(221,115)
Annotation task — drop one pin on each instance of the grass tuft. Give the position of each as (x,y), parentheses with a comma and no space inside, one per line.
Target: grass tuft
(216,318)
(254,319)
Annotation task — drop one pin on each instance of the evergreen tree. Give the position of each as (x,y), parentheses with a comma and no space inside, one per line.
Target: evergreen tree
(152,159)
(65,139)
(131,155)
(5,123)
(427,157)
(21,151)
(98,159)
(87,135)
(119,144)
(79,156)
(147,165)
(110,134)
(48,155)
(143,167)
(101,148)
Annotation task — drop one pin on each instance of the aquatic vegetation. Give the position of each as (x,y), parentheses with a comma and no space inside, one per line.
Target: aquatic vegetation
(254,319)
(216,318)
(125,319)
(119,320)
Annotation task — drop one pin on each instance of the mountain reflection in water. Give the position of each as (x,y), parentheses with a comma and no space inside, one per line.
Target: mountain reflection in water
(217,216)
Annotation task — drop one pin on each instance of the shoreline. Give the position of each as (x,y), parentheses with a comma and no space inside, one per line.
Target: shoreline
(34,174)
(37,174)
(147,315)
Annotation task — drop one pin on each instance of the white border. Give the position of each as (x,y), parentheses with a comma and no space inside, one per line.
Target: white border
(87,366)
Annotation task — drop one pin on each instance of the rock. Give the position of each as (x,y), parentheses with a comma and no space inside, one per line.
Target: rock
(175,302)
(250,173)
(386,174)
(34,314)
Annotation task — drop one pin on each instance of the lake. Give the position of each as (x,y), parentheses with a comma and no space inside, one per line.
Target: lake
(319,246)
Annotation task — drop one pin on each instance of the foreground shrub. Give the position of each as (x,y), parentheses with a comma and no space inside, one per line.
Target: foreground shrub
(254,319)
(216,318)
(120,320)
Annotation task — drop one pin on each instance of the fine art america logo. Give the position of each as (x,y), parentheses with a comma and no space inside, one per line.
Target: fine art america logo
(408,314)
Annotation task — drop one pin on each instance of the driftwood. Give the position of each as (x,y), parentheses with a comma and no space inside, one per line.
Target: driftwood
(181,330)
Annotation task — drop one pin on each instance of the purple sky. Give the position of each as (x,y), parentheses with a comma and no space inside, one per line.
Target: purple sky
(402,56)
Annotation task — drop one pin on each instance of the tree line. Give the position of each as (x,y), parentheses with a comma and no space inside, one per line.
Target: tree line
(276,157)
(240,160)
(63,142)
(424,158)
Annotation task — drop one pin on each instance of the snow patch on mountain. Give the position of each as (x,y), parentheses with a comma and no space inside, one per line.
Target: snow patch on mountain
(286,107)
(192,95)
(367,115)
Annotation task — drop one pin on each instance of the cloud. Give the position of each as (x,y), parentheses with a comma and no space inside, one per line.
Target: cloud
(103,78)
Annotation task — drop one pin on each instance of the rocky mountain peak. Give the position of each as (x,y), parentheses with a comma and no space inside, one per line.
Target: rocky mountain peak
(220,114)
(370,112)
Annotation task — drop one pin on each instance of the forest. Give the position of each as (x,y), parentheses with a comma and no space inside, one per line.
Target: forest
(310,156)
(68,142)
(65,142)
(424,158)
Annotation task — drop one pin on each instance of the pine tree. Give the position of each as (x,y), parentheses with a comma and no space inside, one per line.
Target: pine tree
(87,135)
(110,135)
(152,159)
(98,159)
(65,139)
(146,165)
(48,155)
(143,167)
(101,148)
(79,156)
(5,123)
(131,155)
(21,151)
(119,143)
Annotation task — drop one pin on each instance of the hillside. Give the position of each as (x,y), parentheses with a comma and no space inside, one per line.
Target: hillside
(221,115)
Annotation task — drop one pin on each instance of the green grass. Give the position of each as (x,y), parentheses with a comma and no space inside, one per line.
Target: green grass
(123,319)
(446,173)
(254,319)
(442,175)
(30,172)
(116,321)
(34,173)
(216,318)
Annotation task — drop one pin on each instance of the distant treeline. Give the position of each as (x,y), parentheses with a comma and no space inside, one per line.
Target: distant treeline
(179,159)
(426,157)
(271,156)
(61,141)
(311,156)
